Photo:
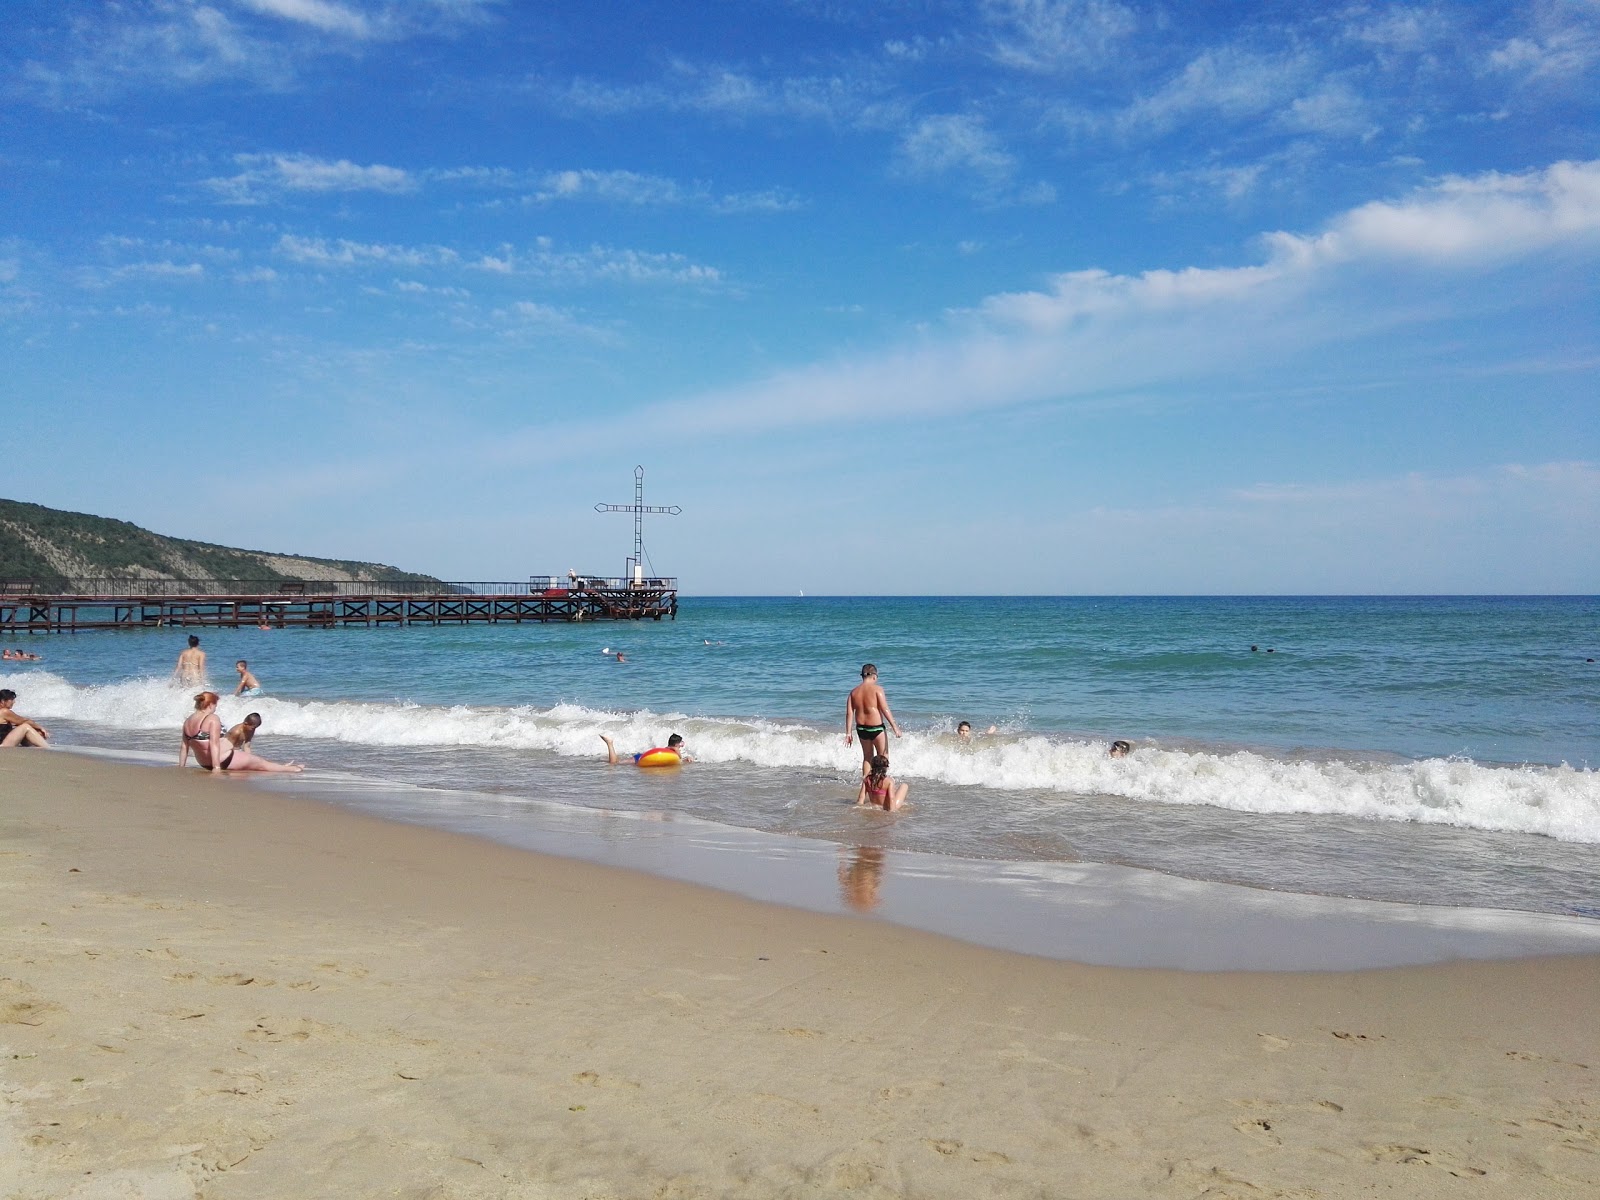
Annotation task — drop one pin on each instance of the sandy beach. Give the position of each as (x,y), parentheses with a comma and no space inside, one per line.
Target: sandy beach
(210,990)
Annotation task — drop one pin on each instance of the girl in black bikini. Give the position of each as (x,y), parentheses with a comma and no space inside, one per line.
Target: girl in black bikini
(202,734)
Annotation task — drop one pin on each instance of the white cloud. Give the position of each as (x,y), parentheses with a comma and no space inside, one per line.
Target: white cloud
(267,176)
(1462,219)
(1092,331)
(321,15)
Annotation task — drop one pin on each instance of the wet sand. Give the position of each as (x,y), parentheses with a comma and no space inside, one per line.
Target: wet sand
(214,990)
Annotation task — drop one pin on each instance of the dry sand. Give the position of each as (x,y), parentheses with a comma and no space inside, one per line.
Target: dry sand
(211,990)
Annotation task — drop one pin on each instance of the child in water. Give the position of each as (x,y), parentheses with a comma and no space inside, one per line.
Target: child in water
(877,788)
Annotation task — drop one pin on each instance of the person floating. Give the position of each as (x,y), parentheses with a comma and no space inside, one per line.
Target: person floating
(10,655)
(16,729)
(249,685)
(191,666)
(865,713)
(670,755)
(244,758)
(878,789)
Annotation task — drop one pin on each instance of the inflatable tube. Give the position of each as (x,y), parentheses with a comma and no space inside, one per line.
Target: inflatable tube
(658,756)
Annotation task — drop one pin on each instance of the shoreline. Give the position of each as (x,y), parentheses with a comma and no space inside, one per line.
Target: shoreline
(216,991)
(1095,913)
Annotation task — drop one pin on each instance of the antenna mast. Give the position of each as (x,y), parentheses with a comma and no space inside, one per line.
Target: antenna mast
(635,570)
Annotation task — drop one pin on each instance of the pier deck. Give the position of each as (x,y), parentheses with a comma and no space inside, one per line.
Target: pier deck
(155,603)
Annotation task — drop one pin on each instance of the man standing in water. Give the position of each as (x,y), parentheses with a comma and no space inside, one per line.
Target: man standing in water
(866,712)
(191,668)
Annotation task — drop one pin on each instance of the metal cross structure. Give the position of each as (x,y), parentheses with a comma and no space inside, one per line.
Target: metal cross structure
(638,508)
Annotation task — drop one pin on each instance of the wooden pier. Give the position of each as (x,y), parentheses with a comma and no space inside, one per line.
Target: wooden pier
(278,604)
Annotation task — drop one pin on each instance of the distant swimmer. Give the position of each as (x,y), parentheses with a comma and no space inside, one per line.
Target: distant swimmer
(865,713)
(249,685)
(244,758)
(1121,749)
(10,655)
(191,666)
(964,731)
(670,755)
(878,789)
(16,729)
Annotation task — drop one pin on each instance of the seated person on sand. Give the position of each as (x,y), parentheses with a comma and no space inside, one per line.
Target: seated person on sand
(16,729)
(1120,748)
(249,685)
(877,788)
(202,736)
(244,758)
(669,755)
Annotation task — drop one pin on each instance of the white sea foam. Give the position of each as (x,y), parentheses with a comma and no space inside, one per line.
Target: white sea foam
(1559,802)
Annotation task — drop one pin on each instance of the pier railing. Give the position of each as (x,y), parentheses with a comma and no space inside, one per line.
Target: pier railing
(123,586)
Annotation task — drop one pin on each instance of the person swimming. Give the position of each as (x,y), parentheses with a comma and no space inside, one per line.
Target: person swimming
(656,756)
(1121,749)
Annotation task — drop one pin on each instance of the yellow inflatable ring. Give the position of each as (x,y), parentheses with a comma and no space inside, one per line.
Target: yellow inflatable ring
(658,756)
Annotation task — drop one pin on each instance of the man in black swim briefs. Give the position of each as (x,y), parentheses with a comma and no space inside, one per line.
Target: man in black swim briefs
(865,713)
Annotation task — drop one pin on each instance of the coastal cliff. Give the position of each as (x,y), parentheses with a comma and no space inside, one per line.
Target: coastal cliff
(52,548)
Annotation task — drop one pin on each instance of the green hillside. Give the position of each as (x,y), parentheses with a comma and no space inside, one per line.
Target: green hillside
(52,548)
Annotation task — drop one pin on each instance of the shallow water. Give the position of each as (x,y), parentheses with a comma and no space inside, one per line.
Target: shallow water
(1429,750)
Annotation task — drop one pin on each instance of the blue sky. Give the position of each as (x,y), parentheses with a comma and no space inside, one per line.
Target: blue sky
(1059,296)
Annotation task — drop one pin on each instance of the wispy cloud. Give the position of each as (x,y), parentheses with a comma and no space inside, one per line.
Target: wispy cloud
(1054,35)
(342,252)
(542,260)
(638,190)
(173,44)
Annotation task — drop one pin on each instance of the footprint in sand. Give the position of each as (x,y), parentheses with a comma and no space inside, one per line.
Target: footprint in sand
(1259,1128)
(1272,1043)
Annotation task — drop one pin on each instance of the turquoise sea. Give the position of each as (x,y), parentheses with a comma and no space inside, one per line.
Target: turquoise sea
(1427,749)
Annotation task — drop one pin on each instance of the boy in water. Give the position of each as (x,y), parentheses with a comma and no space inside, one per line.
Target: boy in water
(249,685)
(865,712)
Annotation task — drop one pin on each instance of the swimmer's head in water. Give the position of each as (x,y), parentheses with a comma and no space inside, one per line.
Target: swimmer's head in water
(964,728)
(674,741)
(1120,748)
(869,671)
(194,641)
